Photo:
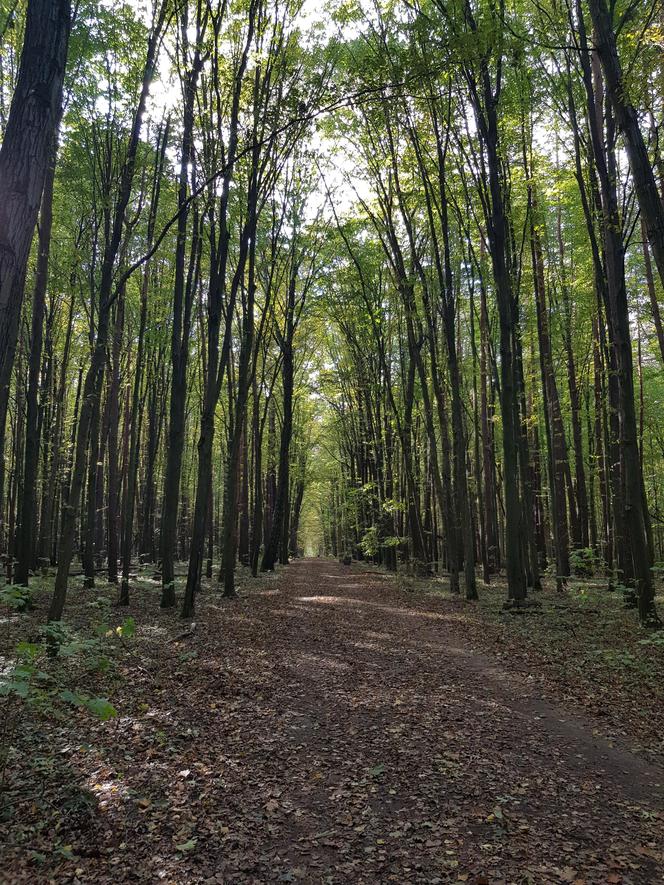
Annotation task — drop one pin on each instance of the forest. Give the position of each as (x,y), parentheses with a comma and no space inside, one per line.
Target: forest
(331,452)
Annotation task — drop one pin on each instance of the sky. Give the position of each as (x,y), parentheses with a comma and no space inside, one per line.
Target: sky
(337,163)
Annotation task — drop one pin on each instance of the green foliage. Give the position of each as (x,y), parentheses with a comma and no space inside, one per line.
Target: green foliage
(41,681)
(14,596)
(622,659)
(369,543)
(127,629)
(43,673)
(655,639)
(584,561)
(187,656)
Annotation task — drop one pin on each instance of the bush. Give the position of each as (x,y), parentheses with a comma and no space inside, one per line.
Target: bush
(584,561)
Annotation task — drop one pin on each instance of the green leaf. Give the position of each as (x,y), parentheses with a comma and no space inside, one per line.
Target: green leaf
(15,687)
(70,698)
(127,629)
(14,596)
(187,846)
(102,602)
(77,646)
(37,856)
(29,650)
(24,671)
(102,708)
(102,664)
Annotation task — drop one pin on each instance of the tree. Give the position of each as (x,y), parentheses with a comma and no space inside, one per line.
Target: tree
(25,155)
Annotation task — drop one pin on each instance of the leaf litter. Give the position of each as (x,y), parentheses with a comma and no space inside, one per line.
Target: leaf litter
(328,733)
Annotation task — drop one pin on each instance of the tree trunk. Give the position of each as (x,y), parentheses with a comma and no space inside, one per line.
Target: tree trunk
(650,203)
(629,513)
(243,543)
(25,547)
(183,292)
(497,227)
(652,292)
(27,146)
(135,415)
(257,518)
(113,436)
(275,537)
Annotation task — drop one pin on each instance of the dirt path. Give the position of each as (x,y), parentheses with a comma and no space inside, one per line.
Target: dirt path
(329,728)
(429,761)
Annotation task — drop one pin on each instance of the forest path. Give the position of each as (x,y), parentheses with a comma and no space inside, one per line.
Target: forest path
(329,727)
(364,742)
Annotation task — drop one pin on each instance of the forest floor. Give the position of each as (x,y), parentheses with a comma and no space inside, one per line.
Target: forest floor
(340,725)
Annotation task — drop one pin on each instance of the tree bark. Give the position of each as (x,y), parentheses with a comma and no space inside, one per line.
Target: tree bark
(113,497)
(25,546)
(183,292)
(24,158)
(650,203)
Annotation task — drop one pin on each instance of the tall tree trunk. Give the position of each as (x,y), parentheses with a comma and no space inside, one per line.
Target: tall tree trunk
(183,292)
(113,496)
(54,482)
(135,415)
(279,515)
(218,359)
(630,511)
(555,429)
(650,203)
(94,484)
(243,541)
(156,396)
(257,517)
(18,448)
(497,227)
(581,508)
(652,292)
(488,459)
(25,547)
(296,510)
(531,559)
(271,473)
(27,146)
(484,96)
(229,522)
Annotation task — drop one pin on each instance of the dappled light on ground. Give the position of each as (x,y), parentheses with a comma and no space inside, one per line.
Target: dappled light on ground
(307,732)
